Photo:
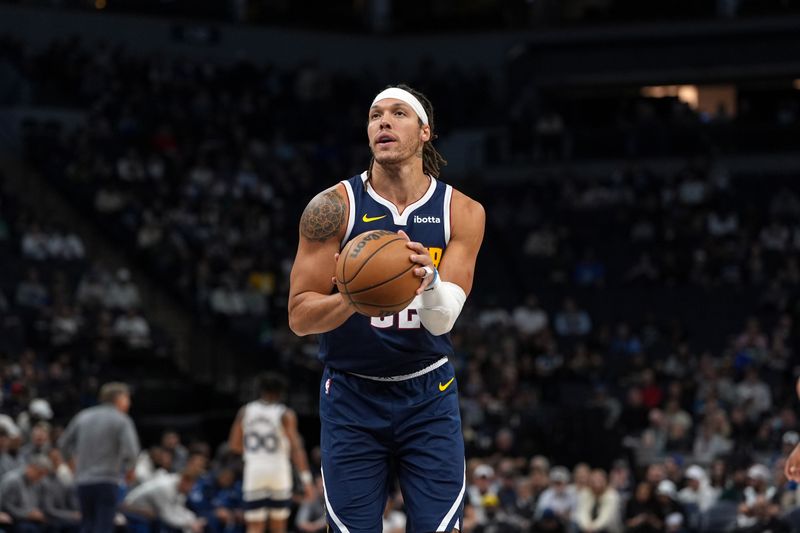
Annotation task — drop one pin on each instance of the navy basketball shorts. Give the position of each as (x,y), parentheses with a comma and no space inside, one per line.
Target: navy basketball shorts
(413,425)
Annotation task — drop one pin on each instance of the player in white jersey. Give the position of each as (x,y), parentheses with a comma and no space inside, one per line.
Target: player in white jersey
(265,433)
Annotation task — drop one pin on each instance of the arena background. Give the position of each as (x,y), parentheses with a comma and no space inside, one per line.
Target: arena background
(636,296)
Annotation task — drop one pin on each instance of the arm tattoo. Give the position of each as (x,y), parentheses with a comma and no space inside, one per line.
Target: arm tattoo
(323,217)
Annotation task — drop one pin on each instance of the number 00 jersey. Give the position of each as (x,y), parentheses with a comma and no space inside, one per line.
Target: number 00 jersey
(264,439)
(397,344)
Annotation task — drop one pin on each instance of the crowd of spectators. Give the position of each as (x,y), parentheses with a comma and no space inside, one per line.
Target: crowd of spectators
(202,170)
(643,324)
(172,488)
(65,324)
(65,311)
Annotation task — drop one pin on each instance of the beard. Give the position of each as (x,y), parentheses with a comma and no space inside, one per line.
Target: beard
(400,154)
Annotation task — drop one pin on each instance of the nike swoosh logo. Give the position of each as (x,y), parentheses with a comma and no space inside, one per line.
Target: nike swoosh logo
(365,218)
(444,387)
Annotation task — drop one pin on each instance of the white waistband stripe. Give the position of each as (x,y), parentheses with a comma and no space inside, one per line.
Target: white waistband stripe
(418,373)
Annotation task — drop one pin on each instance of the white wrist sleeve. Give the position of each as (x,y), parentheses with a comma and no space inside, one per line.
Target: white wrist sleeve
(441,306)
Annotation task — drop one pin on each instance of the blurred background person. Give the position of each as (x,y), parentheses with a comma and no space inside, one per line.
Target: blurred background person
(103,442)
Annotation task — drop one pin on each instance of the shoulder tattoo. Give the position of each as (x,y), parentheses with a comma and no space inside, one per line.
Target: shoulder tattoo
(323,216)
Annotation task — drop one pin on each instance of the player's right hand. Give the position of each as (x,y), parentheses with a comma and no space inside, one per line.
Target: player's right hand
(422,258)
(792,468)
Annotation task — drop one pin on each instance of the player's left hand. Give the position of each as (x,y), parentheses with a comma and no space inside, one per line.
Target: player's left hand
(792,468)
(421,257)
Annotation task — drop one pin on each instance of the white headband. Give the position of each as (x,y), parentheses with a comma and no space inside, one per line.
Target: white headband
(405,96)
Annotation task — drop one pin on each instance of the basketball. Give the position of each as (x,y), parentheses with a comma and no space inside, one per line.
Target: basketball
(375,273)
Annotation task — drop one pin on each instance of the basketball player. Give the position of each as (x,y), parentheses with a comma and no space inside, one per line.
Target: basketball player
(265,432)
(388,399)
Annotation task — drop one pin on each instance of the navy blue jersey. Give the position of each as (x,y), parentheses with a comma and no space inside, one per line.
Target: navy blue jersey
(396,344)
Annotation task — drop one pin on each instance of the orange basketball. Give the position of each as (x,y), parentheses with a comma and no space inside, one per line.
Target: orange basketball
(375,273)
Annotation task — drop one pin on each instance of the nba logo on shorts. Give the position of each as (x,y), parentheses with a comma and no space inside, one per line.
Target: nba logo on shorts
(328,386)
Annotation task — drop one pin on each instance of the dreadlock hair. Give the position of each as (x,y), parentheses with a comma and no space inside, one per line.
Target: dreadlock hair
(432,160)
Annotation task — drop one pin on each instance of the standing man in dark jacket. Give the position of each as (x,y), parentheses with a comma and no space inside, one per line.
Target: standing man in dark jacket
(104,443)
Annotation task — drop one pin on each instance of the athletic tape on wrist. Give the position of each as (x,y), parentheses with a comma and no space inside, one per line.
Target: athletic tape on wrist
(435,281)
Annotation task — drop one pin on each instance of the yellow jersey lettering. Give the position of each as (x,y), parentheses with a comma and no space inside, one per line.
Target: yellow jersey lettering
(436,255)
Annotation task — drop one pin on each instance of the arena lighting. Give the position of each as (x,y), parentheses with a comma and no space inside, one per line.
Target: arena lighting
(100,4)
(796,84)
(685,93)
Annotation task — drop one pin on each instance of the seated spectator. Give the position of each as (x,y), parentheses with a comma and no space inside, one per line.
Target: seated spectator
(39,410)
(598,508)
(541,242)
(620,478)
(572,321)
(132,329)
(495,518)
(652,444)
(64,326)
(72,248)
(758,497)
(675,523)
(31,293)
(162,500)
(676,416)
(8,461)
(171,441)
(482,486)
(122,294)
(493,315)
(93,287)
(549,522)
(34,243)
(19,495)
(559,498)
(590,271)
(775,237)
(311,516)
(641,513)
(753,394)
(709,443)
(625,344)
(506,474)
(228,299)
(530,318)
(697,492)
(151,463)
(667,500)
(217,498)
(581,473)
(39,443)
(59,497)
(199,455)
(539,475)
